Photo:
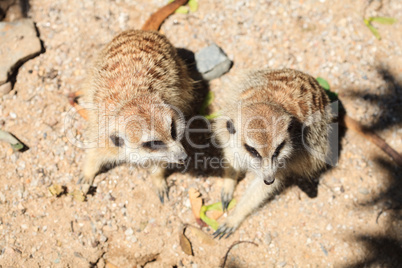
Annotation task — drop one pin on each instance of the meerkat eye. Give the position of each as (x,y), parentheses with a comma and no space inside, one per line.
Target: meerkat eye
(117,141)
(154,145)
(278,150)
(252,151)
(230,127)
(173,132)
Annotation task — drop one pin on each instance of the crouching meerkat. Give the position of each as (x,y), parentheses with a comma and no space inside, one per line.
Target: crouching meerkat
(276,127)
(139,91)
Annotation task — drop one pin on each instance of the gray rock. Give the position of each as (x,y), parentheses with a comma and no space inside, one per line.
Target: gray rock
(212,62)
(19,43)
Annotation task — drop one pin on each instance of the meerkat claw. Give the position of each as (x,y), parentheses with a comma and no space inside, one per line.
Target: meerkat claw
(161,198)
(229,234)
(225,199)
(162,194)
(222,231)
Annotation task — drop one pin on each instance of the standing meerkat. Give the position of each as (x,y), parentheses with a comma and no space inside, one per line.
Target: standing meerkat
(277,127)
(139,90)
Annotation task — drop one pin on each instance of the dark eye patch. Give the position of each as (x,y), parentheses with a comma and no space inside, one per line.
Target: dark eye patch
(173,132)
(117,141)
(252,151)
(154,145)
(230,127)
(278,150)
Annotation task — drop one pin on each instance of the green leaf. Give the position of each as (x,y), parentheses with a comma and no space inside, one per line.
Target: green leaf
(331,95)
(383,20)
(211,116)
(216,206)
(374,31)
(193,4)
(213,223)
(17,147)
(207,101)
(12,140)
(182,10)
(232,204)
(323,83)
(203,110)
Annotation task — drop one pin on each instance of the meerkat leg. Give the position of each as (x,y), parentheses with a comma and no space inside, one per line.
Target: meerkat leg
(159,181)
(254,196)
(229,184)
(95,159)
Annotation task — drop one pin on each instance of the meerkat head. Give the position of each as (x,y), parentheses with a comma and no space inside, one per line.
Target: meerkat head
(261,138)
(148,132)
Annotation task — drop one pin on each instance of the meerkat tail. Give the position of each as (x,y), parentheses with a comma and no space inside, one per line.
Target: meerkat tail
(156,19)
(352,124)
(72,99)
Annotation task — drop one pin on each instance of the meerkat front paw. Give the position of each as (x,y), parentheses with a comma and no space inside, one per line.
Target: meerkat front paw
(227,228)
(85,184)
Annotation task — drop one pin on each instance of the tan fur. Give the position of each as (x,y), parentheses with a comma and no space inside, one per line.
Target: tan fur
(270,108)
(138,90)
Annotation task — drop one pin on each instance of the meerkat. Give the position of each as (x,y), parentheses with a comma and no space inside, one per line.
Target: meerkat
(277,127)
(139,90)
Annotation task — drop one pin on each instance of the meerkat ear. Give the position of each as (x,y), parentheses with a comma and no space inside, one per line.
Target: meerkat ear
(117,141)
(230,127)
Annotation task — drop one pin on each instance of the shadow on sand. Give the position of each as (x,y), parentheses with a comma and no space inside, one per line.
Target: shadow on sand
(384,249)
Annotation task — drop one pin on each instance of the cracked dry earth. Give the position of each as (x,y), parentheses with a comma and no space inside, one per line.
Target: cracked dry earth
(354,219)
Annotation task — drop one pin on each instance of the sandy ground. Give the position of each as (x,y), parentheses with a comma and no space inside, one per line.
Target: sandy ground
(353,220)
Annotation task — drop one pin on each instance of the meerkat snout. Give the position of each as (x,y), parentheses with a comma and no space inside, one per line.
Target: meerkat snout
(177,153)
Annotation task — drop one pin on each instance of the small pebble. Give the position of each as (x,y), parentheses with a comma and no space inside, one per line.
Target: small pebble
(129,232)
(103,238)
(268,239)
(363,191)
(323,249)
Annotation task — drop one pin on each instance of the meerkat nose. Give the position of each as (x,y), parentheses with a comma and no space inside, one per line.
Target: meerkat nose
(269,180)
(181,157)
